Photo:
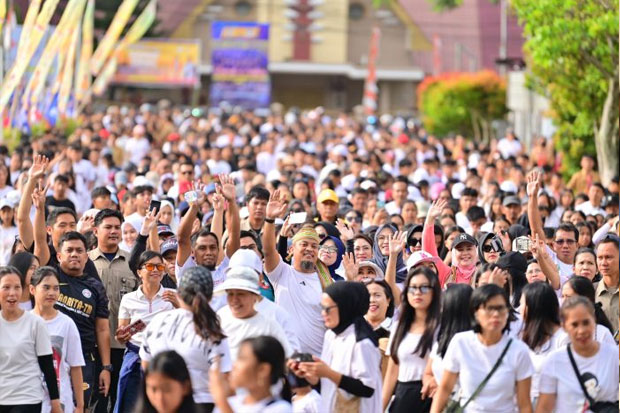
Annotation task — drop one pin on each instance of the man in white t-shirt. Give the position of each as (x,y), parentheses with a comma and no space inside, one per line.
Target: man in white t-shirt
(239,318)
(298,287)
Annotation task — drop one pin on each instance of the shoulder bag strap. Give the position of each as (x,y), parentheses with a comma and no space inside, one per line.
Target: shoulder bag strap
(579,379)
(488,377)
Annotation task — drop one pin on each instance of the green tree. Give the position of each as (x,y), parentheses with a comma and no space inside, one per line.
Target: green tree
(572,52)
(464,103)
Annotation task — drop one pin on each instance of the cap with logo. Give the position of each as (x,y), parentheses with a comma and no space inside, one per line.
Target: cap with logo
(170,244)
(464,238)
(327,195)
(419,257)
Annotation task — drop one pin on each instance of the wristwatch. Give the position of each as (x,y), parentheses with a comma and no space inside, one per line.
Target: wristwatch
(108,367)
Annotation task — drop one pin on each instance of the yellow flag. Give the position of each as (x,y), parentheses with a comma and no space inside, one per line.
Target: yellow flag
(24,37)
(33,39)
(67,74)
(59,41)
(136,31)
(83,80)
(2,13)
(111,36)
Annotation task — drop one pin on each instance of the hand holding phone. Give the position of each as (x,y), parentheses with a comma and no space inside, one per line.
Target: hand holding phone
(155,205)
(297,218)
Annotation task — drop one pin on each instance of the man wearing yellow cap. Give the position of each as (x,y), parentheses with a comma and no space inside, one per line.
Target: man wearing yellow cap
(298,287)
(327,206)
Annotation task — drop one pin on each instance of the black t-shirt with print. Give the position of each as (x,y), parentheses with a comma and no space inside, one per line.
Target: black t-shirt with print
(84,300)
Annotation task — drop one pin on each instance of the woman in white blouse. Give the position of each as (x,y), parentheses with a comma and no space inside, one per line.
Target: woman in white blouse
(349,366)
(140,305)
(411,342)
(597,364)
(472,355)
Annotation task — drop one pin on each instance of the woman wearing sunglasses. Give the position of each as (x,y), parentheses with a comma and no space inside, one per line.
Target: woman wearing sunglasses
(490,247)
(135,312)
(411,342)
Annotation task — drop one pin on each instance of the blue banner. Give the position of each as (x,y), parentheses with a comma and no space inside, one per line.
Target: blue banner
(240,62)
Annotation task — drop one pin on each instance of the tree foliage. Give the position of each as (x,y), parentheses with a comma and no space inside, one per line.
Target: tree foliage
(464,103)
(572,52)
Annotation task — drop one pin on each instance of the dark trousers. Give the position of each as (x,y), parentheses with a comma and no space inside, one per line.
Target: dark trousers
(129,382)
(106,404)
(21,408)
(407,398)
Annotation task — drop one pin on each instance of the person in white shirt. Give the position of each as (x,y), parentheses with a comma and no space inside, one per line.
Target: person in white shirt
(509,145)
(248,256)
(595,363)
(349,367)
(8,230)
(193,330)
(411,342)
(138,146)
(260,372)
(65,338)
(298,287)
(593,205)
(471,356)
(26,352)
(541,329)
(239,318)
(139,306)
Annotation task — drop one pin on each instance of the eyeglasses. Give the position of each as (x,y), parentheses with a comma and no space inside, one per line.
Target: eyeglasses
(326,310)
(422,289)
(489,248)
(329,250)
(565,241)
(413,242)
(150,266)
(499,309)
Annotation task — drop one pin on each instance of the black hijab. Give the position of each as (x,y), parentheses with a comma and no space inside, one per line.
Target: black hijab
(353,301)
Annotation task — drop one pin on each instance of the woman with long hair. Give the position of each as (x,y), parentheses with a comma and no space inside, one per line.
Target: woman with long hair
(260,370)
(65,338)
(473,355)
(381,308)
(8,229)
(453,320)
(541,329)
(348,369)
(576,286)
(167,386)
(26,352)
(582,374)
(463,251)
(137,309)
(26,263)
(193,330)
(411,342)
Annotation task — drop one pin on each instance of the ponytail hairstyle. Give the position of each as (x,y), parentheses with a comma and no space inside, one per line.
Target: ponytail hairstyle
(269,350)
(584,287)
(196,290)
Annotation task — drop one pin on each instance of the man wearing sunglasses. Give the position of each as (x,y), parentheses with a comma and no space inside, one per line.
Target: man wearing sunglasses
(112,265)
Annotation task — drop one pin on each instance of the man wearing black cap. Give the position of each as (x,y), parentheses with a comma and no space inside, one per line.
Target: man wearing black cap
(511,208)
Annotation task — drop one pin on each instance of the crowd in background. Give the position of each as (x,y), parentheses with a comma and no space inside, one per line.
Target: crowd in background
(162,259)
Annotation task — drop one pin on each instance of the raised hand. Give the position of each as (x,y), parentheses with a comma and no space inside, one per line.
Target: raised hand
(346,233)
(397,242)
(537,247)
(351,268)
(218,202)
(436,207)
(287,229)
(533,183)
(228,188)
(38,197)
(276,205)
(38,168)
(498,277)
(150,221)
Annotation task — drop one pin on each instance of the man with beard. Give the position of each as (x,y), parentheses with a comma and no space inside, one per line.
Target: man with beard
(203,247)
(298,287)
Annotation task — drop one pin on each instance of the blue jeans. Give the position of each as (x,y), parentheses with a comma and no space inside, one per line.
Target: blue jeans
(129,381)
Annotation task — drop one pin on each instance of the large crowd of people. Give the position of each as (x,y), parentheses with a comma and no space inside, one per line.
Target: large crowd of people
(162,259)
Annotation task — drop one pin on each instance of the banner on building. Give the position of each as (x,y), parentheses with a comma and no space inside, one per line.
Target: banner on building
(159,63)
(240,62)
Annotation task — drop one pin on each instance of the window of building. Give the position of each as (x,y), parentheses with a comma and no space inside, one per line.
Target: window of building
(356,11)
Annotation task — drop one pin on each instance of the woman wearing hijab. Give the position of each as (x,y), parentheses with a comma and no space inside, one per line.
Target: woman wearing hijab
(381,252)
(463,250)
(349,365)
(331,250)
(490,247)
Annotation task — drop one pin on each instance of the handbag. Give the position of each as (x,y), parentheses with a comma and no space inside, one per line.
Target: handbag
(597,407)
(454,406)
